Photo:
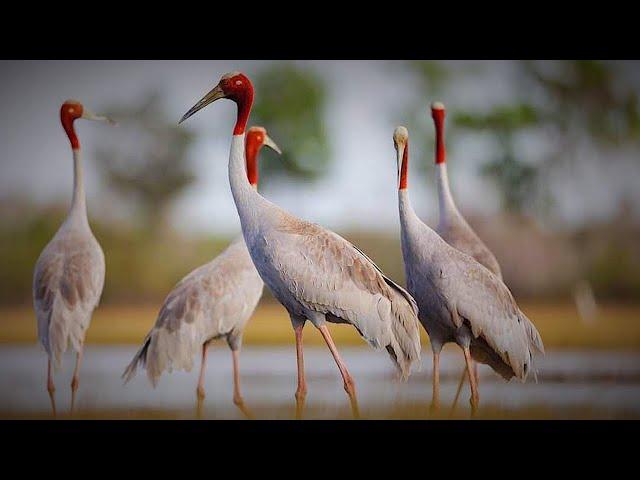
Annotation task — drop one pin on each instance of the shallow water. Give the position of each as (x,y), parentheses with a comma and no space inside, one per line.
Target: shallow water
(606,384)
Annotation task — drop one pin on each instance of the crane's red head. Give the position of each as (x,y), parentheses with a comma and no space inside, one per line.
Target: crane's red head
(256,138)
(437,113)
(401,143)
(72,110)
(235,86)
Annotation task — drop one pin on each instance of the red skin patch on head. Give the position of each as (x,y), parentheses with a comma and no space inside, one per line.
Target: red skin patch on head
(438,119)
(405,167)
(239,89)
(253,144)
(69,112)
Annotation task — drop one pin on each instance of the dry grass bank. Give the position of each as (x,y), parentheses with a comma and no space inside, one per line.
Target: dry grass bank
(618,326)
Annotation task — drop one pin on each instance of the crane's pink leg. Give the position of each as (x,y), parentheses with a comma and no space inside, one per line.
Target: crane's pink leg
(200,393)
(435,401)
(349,384)
(472,381)
(51,388)
(75,381)
(237,397)
(475,372)
(301,392)
(460,384)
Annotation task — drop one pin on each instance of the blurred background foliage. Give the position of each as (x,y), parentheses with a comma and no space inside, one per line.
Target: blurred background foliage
(147,162)
(291,102)
(578,104)
(575,104)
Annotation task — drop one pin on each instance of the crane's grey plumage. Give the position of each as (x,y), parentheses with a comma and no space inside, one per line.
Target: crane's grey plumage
(67,285)
(454,229)
(69,274)
(314,273)
(215,300)
(318,273)
(459,299)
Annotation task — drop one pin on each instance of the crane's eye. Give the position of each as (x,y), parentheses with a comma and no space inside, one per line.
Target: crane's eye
(238,82)
(71,110)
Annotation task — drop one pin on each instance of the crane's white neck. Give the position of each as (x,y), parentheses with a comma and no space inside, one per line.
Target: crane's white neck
(78,201)
(446,205)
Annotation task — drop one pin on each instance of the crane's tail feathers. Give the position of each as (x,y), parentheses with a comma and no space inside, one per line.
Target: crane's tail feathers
(60,326)
(140,358)
(164,350)
(405,341)
(532,334)
(404,345)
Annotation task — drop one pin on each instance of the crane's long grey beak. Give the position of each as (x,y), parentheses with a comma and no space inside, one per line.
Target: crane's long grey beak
(399,159)
(210,97)
(271,144)
(89,115)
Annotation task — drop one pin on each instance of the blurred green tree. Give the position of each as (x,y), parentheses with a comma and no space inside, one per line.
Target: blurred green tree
(516,180)
(294,118)
(149,162)
(580,102)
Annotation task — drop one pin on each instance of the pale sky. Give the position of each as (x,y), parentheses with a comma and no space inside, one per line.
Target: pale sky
(359,188)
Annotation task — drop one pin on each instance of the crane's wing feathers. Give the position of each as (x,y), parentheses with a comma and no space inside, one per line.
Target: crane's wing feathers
(389,282)
(484,301)
(459,234)
(212,301)
(327,274)
(67,285)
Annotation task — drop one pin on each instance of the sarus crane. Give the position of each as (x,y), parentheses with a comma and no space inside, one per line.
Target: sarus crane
(313,272)
(459,299)
(69,274)
(214,301)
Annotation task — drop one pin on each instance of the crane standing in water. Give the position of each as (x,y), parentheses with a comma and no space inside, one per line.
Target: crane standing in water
(313,272)
(459,299)
(69,274)
(454,229)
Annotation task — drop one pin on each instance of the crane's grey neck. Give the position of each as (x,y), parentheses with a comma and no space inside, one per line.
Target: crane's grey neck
(413,229)
(78,211)
(446,205)
(245,195)
(407,214)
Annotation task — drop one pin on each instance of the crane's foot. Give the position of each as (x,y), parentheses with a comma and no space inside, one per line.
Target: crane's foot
(75,383)
(434,408)
(301,395)
(474,407)
(200,395)
(350,388)
(239,402)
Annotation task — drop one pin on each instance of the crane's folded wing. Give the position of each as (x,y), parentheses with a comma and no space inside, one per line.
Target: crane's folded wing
(211,301)
(329,275)
(67,286)
(487,305)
